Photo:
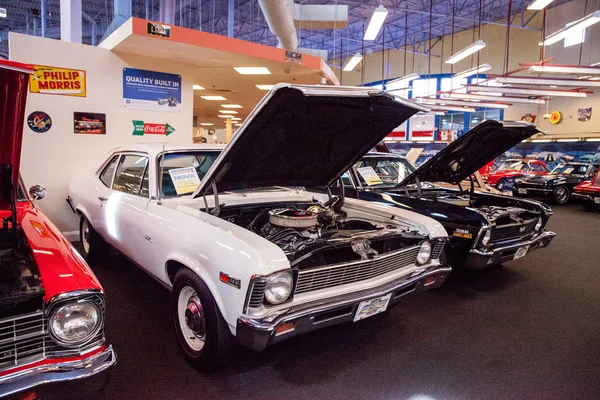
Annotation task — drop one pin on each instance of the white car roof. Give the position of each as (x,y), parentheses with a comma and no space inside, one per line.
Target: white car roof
(154,148)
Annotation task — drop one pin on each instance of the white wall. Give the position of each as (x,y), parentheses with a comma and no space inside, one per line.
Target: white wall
(54,157)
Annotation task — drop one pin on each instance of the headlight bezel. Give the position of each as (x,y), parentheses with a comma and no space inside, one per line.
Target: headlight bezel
(283,276)
(486,237)
(428,247)
(539,224)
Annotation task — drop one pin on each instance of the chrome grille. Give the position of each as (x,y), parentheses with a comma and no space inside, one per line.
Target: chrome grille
(22,339)
(256,294)
(342,274)
(437,250)
(513,231)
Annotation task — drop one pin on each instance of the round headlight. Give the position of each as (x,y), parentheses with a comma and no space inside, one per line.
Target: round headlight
(486,238)
(538,226)
(75,323)
(279,287)
(424,253)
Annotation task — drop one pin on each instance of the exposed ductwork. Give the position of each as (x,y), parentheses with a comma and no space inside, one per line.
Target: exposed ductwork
(283,16)
(279,17)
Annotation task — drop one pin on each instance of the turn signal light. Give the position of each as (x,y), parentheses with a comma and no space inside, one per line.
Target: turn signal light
(430,280)
(285,328)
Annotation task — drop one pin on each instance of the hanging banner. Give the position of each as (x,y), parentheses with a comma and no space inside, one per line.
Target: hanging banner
(56,80)
(141,128)
(150,90)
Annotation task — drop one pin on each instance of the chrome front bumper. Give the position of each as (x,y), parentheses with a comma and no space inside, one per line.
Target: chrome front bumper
(257,334)
(57,372)
(478,259)
(583,196)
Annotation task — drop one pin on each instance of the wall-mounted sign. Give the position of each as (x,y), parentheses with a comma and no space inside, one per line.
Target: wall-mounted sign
(584,114)
(39,122)
(293,57)
(89,123)
(150,90)
(528,118)
(160,30)
(55,80)
(555,117)
(141,128)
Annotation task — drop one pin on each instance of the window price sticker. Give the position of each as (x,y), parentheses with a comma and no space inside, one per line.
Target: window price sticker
(370,176)
(185,180)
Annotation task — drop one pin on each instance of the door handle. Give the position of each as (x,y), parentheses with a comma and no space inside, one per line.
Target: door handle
(148,238)
(103,198)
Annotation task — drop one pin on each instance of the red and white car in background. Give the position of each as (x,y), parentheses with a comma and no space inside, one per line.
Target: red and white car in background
(51,304)
(511,169)
(588,193)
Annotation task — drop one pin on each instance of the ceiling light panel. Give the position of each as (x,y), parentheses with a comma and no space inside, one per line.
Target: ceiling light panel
(228,112)
(467,51)
(532,92)
(546,81)
(213,98)
(353,62)
(574,26)
(569,70)
(539,5)
(206,124)
(198,87)
(231,106)
(265,87)
(253,70)
(377,20)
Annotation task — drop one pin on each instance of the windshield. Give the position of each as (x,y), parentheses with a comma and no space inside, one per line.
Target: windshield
(382,171)
(570,169)
(184,170)
(512,166)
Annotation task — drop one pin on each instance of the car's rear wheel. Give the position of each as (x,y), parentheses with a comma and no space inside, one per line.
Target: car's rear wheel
(561,195)
(93,247)
(200,328)
(501,184)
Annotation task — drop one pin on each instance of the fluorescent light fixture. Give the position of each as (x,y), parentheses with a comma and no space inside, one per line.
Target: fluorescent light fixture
(253,70)
(225,116)
(595,79)
(466,52)
(539,4)
(377,19)
(585,77)
(472,71)
(265,87)
(401,83)
(546,81)
(213,98)
(541,140)
(592,140)
(236,119)
(3,13)
(571,70)
(450,108)
(567,140)
(574,26)
(206,124)
(353,62)
(532,92)
(462,103)
(228,112)
(198,87)
(493,97)
(231,106)
(236,124)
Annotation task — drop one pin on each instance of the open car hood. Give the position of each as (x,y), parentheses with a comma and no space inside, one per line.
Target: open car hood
(14,80)
(305,136)
(472,151)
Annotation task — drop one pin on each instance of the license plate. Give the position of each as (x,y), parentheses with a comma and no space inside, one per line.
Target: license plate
(521,252)
(522,191)
(597,200)
(368,308)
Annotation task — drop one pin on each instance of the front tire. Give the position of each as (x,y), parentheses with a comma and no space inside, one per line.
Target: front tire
(561,195)
(93,247)
(200,328)
(500,184)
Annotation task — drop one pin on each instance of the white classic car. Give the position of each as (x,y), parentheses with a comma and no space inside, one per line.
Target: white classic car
(246,250)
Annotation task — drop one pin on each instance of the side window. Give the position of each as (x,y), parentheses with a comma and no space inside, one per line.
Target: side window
(346,179)
(107,174)
(525,167)
(537,168)
(128,178)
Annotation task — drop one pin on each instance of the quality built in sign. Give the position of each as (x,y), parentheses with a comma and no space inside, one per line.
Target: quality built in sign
(56,80)
(141,128)
(151,90)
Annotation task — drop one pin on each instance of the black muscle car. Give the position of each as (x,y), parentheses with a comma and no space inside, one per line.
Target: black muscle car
(484,229)
(557,185)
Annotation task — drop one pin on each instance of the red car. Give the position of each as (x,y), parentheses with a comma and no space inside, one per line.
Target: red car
(511,169)
(51,304)
(588,193)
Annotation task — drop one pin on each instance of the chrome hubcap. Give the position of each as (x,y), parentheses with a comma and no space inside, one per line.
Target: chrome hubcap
(191,318)
(85,236)
(561,194)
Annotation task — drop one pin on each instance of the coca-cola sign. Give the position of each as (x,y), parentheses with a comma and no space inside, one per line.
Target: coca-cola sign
(141,128)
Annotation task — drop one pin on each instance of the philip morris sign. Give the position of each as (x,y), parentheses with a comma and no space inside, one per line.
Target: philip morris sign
(141,128)
(56,80)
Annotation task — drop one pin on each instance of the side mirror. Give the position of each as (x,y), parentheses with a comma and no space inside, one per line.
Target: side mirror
(37,192)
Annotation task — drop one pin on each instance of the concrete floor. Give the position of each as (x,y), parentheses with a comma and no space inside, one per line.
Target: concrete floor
(527,330)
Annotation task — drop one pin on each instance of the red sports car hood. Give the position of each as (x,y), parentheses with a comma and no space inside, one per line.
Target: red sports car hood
(14,80)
